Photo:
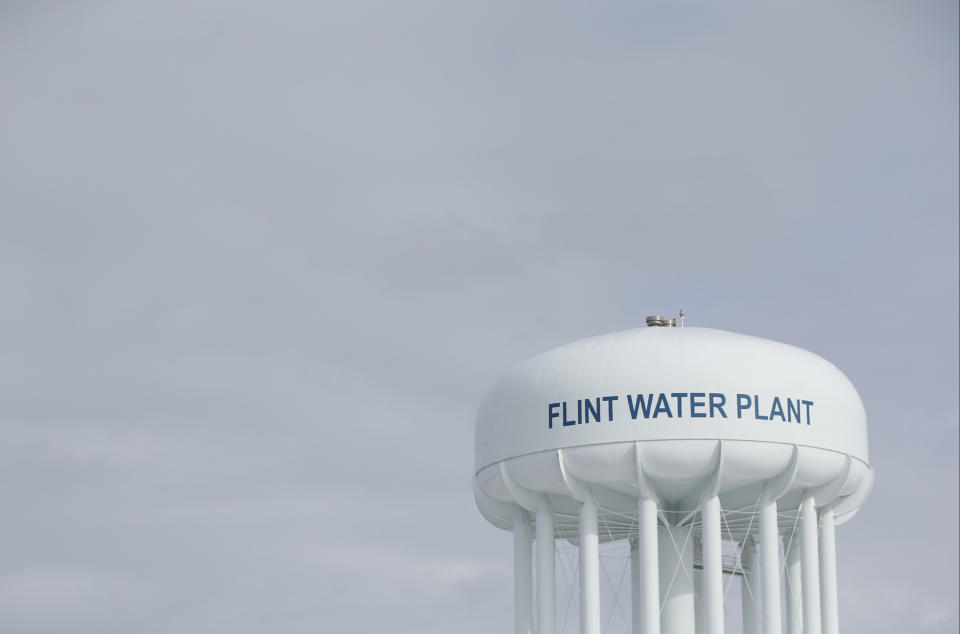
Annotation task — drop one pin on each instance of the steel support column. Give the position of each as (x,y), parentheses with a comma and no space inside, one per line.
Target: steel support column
(793,583)
(546,579)
(828,574)
(712,567)
(522,573)
(810,568)
(649,567)
(636,611)
(589,569)
(770,566)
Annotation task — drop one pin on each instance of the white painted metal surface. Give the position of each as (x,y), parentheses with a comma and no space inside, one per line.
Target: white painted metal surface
(810,566)
(636,583)
(514,417)
(589,569)
(793,577)
(712,567)
(769,566)
(828,574)
(649,558)
(699,619)
(659,432)
(522,574)
(546,572)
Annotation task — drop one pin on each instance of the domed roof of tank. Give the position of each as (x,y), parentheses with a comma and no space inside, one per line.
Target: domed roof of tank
(664,384)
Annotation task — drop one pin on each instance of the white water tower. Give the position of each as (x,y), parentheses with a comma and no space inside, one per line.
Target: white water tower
(685,442)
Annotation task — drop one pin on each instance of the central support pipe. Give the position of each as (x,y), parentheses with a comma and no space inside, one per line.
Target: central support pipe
(810,568)
(589,569)
(712,567)
(770,565)
(676,580)
(546,579)
(522,573)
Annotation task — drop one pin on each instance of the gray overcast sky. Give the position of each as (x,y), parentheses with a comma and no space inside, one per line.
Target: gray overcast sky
(260,261)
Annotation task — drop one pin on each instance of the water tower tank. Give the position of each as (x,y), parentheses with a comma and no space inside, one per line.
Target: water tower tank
(687,442)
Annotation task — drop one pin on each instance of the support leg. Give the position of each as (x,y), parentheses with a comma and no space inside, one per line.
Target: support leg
(810,567)
(636,611)
(794,583)
(770,566)
(699,619)
(649,563)
(522,574)
(546,579)
(712,567)
(589,569)
(828,574)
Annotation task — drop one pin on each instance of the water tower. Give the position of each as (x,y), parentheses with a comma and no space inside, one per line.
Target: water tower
(686,442)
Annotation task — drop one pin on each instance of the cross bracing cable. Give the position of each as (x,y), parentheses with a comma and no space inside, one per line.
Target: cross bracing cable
(616,602)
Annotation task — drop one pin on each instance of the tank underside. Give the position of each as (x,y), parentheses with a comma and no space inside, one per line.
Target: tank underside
(678,475)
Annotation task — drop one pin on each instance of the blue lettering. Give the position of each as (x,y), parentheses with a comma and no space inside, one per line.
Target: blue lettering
(679,396)
(589,410)
(791,411)
(777,409)
(609,401)
(808,404)
(662,406)
(588,406)
(552,413)
(717,401)
(640,404)
(694,404)
(756,408)
(743,402)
